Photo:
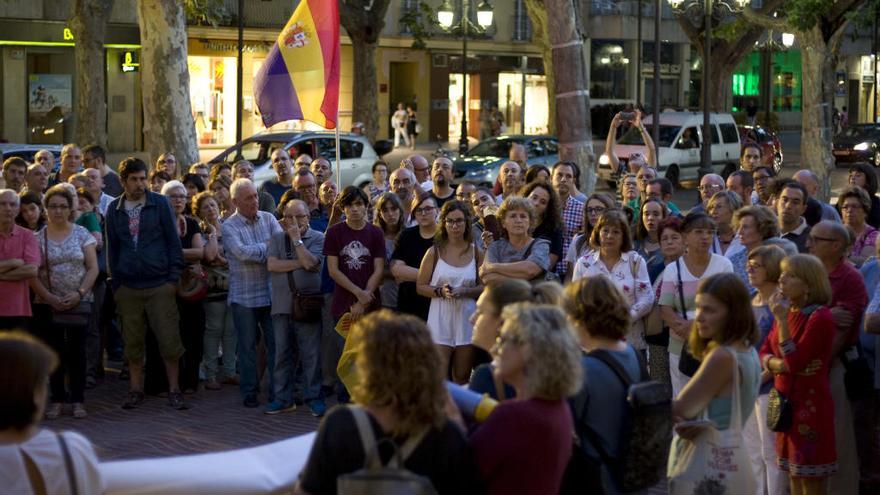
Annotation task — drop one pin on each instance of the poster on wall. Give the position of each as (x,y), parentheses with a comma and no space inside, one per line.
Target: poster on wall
(48,91)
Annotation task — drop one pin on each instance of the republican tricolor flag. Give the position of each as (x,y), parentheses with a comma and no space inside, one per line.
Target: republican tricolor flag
(300,77)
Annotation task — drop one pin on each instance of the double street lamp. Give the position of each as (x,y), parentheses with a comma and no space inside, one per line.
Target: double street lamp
(700,13)
(770,46)
(446,18)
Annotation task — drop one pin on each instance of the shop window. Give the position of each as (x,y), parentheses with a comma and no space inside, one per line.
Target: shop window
(729,133)
(608,68)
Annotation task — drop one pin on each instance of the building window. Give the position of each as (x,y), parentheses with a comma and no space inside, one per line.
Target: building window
(522,26)
(608,68)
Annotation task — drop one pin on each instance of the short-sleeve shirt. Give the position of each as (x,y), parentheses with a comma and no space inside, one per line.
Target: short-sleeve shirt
(501,251)
(442,456)
(19,244)
(355,250)
(66,262)
(669,294)
(305,282)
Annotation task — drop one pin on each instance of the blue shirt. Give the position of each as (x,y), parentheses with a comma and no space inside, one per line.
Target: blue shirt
(246,245)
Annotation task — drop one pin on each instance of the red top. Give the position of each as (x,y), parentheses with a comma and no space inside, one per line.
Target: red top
(848,291)
(524,446)
(21,244)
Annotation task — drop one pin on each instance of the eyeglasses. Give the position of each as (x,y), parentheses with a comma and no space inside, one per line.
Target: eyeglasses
(58,207)
(755,266)
(710,187)
(177,196)
(425,210)
(301,217)
(305,187)
(596,209)
(851,207)
(454,222)
(816,238)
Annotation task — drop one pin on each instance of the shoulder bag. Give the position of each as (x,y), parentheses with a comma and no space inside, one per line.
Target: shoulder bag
(687,363)
(716,460)
(547,276)
(68,464)
(77,316)
(780,411)
(304,308)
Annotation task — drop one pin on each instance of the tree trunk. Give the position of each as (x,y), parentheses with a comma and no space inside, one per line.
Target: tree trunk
(168,119)
(720,86)
(538,15)
(89,26)
(816,117)
(570,89)
(363,21)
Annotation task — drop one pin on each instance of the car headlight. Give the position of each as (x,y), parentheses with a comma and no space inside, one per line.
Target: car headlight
(603,160)
(863,146)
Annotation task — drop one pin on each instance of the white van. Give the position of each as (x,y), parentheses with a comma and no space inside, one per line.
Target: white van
(678,151)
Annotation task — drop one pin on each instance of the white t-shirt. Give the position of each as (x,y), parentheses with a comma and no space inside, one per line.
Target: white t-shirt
(45,450)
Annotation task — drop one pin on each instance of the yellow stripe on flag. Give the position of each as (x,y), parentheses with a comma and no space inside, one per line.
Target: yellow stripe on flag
(307,59)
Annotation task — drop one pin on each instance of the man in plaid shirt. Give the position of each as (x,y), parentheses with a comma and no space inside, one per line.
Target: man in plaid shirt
(563,179)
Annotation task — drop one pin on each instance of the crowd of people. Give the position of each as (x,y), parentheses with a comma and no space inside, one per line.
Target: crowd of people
(755,305)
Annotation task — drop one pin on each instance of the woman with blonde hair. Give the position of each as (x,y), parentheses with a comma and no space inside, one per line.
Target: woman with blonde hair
(537,354)
(798,352)
(401,396)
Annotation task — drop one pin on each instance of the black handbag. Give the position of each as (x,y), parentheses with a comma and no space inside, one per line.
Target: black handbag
(305,308)
(687,363)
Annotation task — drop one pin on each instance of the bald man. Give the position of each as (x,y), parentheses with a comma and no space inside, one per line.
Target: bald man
(419,166)
(816,210)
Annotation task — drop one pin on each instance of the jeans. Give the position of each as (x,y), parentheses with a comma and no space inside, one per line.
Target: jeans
(297,371)
(250,324)
(219,332)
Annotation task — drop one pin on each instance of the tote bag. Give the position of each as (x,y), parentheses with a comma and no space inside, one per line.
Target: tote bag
(715,461)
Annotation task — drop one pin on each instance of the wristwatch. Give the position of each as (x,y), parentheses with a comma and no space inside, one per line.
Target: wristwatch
(297,243)
(80,292)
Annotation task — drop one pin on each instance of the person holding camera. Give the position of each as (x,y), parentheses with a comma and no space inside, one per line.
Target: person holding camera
(626,118)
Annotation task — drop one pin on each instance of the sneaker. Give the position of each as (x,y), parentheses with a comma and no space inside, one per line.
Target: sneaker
(175,399)
(79,410)
(318,408)
(276,407)
(251,401)
(134,399)
(54,410)
(212,385)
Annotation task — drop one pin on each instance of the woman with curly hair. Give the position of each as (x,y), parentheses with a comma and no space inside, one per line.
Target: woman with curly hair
(537,354)
(549,212)
(517,254)
(754,224)
(402,393)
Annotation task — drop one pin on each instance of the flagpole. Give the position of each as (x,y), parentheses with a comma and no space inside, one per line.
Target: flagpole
(338,161)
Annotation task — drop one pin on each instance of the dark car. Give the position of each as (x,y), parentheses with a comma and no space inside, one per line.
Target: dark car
(858,143)
(27,151)
(771,148)
(482,163)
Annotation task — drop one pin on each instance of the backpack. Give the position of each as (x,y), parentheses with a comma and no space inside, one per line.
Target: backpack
(646,433)
(376,479)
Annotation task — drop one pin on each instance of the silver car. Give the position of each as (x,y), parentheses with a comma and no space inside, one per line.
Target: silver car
(357,154)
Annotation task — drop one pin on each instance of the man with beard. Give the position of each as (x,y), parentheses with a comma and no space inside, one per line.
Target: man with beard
(441,173)
(511,174)
(14,171)
(402,183)
(306,185)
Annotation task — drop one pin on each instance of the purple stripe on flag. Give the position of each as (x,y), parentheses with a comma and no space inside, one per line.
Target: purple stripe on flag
(273,89)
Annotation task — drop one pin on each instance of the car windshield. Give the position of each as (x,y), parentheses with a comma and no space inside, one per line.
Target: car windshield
(667,135)
(492,147)
(861,131)
(254,151)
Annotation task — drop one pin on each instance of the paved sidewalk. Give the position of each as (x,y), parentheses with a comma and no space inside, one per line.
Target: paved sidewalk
(216,421)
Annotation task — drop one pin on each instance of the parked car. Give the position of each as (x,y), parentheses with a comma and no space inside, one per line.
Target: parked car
(357,154)
(858,143)
(771,148)
(27,151)
(482,163)
(678,150)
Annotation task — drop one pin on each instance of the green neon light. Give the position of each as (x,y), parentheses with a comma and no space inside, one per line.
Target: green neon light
(123,46)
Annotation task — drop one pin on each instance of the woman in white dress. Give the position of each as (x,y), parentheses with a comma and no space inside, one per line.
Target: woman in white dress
(448,275)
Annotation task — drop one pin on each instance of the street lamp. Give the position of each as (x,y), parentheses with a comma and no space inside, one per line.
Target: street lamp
(700,13)
(770,45)
(446,18)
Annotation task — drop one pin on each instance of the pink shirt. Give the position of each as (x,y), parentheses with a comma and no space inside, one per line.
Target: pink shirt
(21,244)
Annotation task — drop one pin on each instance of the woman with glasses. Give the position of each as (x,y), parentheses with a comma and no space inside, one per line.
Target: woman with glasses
(380,180)
(612,256)
(168,164)
(390,218)
(448,276)
(629,191)
(409,250)
(517,254)
(549,211)
(64,282)
(721,208)
(678,288)
(596,205)
(864,176)
(798,353)
(854,205)
(754,225)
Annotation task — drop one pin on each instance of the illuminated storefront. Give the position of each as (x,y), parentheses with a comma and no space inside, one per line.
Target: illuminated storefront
(786,83)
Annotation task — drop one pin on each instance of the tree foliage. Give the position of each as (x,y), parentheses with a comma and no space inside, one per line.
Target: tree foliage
(420,23)
(207,12)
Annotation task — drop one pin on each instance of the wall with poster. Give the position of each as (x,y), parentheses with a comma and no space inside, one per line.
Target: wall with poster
(50,101)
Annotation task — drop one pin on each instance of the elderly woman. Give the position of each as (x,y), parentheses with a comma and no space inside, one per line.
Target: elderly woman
(219,328)
(854,204)
(30,456)
(400,398)
(380,180)
(864,176)
(448,276)
(613,256)
(537,354)
(754,225)
(798,353)
(390,218)
(409,250)
(518,255)
(549,212)
(597,203)
(63,302)
(722,206)
(600,314)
